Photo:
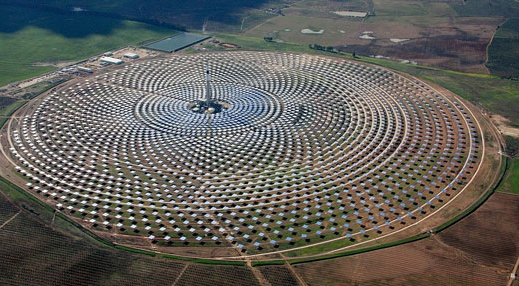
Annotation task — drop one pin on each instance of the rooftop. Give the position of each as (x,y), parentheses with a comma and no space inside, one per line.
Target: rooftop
(177,42)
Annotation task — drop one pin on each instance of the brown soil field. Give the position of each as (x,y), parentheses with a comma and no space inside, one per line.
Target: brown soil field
(7,210)
(490,236)
(450,43)
(278,275)
(457,43)
(198,274)
(479,250)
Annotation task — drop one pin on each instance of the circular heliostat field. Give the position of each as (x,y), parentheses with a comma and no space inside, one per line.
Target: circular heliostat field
(303,149)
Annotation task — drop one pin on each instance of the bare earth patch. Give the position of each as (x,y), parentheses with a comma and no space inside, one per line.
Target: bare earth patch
(503,125)
(396,40)
(351,14)
(312,32)
(52,64)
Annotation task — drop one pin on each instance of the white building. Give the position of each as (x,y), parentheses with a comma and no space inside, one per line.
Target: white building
(110,60)
(131,56)
(85,69)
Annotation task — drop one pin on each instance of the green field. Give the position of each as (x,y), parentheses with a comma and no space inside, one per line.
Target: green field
(510,182)
(504,52)
(505,8)
(29,37)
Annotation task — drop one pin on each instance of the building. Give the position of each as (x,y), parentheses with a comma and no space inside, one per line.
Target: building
(85,69)
(131,56)
(112,61)
(177,42)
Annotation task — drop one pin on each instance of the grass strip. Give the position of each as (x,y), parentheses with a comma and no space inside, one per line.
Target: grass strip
(267,262)
(204,261)
(362,250)
(134,250)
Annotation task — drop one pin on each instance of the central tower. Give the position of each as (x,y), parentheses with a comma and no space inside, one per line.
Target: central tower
(208,85)
(210,105)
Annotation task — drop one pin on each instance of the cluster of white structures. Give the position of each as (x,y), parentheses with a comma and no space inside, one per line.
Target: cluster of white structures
(309,149)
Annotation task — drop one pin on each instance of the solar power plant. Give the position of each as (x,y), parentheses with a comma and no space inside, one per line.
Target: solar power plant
(308,150)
